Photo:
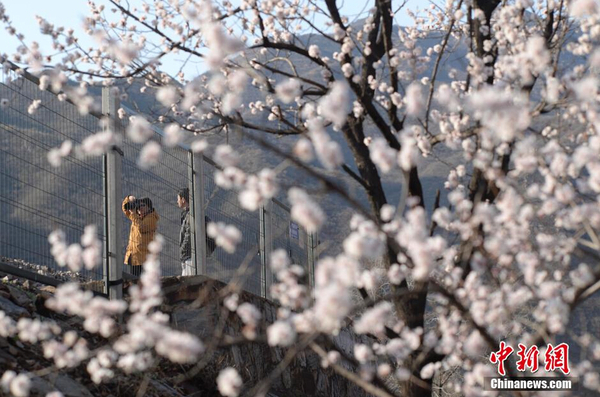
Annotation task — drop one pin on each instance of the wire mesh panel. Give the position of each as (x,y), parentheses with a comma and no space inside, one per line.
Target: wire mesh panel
(222,206)
(288,235)
(36,197)
(160,184)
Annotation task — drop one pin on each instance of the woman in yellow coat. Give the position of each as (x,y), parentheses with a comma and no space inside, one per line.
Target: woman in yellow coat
(144,220)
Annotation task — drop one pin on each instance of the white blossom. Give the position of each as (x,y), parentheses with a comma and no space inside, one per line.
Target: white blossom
(336,105)
(281,333)
(139,129)
(226,236)
(229,382)
(288,91)
(149,155)
(305,210)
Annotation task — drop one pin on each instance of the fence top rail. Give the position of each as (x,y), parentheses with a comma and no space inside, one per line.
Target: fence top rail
(279,203)
(36,80)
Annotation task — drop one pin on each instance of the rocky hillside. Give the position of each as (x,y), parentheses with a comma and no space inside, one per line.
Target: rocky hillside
(194,305)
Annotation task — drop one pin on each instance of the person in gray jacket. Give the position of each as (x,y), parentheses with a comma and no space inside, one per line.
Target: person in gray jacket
(185,234)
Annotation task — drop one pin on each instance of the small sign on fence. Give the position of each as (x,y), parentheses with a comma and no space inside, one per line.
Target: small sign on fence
(294,231)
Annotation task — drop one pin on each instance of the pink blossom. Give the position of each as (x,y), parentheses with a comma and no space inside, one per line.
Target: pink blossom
(139,129)
(363,353)
(414,99)
(335,106)
(305,210)
(167,95)
(281,333)
(581,8)
(373,321)
(226,236)
(229,382)
(149,155)
(249,313)
(303,150)
(100,143)
(226,156)
(180,347)
(288,91)
(173,135)
(382,155)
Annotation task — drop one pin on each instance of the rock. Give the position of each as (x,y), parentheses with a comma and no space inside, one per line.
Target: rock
(7,360)
(5,294)
(40,387)
(11,309)
(14,351)
(49,288)
(70,387)
(63,383)
(40,304)
(164,389)
(195,321)
(19,297)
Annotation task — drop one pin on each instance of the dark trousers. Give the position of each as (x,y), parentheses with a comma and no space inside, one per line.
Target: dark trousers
(133,270)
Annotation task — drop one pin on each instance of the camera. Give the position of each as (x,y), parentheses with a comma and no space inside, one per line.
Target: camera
(133,205)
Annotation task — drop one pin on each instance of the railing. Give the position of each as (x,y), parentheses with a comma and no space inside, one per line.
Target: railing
(36,198)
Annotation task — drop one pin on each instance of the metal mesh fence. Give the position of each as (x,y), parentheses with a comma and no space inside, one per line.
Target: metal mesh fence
(222,206)
(35,197)
(160,183)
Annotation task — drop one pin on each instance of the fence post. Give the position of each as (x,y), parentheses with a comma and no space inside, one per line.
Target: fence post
(197,213)
(266,246)
(312,257)
(113,269)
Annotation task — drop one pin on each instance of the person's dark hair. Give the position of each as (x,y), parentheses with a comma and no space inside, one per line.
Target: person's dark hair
(148,202)
(184,194)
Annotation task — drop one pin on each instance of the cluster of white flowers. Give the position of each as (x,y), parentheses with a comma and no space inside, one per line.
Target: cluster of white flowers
(139,129)
(35,330)
(75,256)
(174,135)
(336,105)
(149,155)
(226,236)
(55,155)
(98,312)
(100,143)
(257,190)
(250,316)
(229,382)
(35,105)
(226,156)
(281,333)
(305,210)
(17,385)
(328,151)
(374,320)
(69,353)
(288,91)
(503,113)
(422,249)
(289,292)
(365,241)
(167,95)
(383,155)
